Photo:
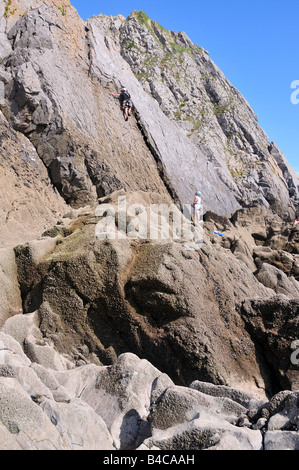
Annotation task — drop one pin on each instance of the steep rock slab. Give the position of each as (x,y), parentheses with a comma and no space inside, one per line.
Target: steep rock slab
(194,93)
(68,115)
(182,163)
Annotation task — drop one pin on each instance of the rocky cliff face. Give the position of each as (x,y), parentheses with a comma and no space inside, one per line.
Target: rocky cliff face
(212,323)
(192,91)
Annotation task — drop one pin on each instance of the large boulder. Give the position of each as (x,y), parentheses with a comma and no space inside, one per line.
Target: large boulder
(110,296)
(273,326)
(126,406)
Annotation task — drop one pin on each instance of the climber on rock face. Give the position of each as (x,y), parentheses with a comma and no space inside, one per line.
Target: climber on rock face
(126,103)
(196,206)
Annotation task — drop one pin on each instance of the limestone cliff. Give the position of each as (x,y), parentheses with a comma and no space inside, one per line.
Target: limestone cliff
(59,75)
(192,91)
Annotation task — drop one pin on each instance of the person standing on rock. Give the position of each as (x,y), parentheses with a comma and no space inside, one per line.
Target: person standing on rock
(196,206)
(126,103)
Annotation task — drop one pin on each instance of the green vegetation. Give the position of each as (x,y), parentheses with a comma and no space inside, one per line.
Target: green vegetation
(7,10)
(62,9)
(149,62)
(236,166)
(236,173)
(142,18)
(196,123)
(219,110)
(177,115)
(151,25)
(131,45)
(206,77)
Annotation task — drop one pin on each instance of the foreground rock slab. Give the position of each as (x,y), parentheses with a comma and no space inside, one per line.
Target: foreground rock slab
(126,406)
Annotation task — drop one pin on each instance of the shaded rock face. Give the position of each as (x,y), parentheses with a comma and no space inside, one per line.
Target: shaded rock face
(193,92)
(74,124)
(263,242)
(273,325)
(89,151)
(176,155)
(29,203)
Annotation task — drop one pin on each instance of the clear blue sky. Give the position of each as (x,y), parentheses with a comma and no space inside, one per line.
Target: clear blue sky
(254,42)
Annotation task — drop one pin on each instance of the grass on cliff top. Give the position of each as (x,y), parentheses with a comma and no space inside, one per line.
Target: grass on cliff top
(151,25)
(7,10)
(143,18)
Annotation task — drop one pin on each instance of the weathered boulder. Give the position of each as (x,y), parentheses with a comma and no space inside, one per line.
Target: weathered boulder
(128,405)
(101,336)
(245,399)
(278,440)
(159,296)
(207,432)
(273,326)
(277,280)
(73,123)
(24,420)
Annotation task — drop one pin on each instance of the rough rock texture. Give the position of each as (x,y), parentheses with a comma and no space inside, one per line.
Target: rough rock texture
(29,203)
(10,294)
(193,92)
(87,150)
(178,157)
(129,405)
(193,313)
